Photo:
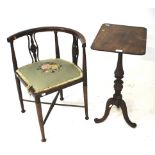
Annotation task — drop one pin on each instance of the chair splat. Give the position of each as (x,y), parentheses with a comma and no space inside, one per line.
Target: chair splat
(33,47)
(75,50)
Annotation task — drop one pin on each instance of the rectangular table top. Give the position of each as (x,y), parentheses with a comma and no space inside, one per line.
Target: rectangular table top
(121,38)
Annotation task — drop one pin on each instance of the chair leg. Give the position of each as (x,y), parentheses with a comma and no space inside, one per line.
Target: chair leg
(85,93)
(61,95)
(40,118)
(20,94)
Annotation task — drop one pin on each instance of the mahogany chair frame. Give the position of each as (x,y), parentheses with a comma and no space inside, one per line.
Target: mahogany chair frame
(34,53)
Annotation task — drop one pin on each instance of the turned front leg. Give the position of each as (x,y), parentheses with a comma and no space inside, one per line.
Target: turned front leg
(40,118)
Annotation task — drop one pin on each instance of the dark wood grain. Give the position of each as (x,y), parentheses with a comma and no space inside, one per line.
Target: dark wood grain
(121,38)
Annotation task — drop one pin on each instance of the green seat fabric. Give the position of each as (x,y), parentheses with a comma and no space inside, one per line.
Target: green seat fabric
(47,74)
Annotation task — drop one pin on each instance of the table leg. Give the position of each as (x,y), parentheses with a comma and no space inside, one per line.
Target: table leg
(117,97)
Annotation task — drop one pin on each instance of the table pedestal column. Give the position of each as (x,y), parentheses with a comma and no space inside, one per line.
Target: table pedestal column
(117,97)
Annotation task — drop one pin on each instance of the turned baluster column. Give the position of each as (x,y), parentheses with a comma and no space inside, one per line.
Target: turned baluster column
(118,83)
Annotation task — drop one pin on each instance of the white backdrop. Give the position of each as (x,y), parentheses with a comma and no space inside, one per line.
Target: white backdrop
(66,130)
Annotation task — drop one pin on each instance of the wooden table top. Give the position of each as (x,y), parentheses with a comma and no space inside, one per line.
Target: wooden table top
(121,38)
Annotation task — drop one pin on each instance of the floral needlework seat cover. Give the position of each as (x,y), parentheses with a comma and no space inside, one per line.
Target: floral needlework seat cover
(47,74)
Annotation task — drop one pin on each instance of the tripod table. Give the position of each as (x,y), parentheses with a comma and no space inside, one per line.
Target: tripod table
(120,39)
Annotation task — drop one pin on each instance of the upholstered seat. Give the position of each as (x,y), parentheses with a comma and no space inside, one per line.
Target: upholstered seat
(48,74)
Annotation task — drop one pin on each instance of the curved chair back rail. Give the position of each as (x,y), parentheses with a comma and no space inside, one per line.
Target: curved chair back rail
(45,29)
